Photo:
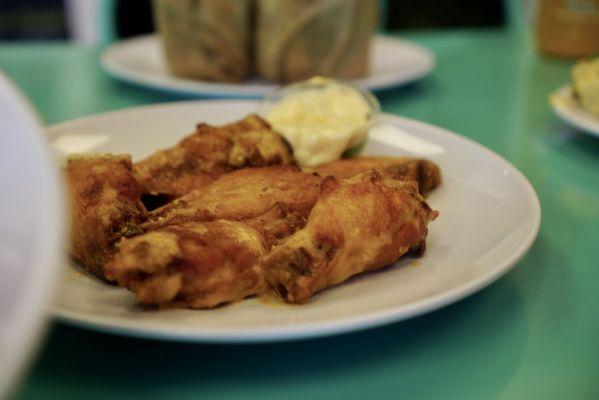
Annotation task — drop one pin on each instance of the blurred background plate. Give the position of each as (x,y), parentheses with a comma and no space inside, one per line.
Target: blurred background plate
(489,217)
(140,61)
(30,232)
(569,110)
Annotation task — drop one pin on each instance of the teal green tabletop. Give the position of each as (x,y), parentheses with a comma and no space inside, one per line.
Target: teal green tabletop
(533,334)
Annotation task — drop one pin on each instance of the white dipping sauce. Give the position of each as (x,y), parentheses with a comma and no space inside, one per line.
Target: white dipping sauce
(321,123)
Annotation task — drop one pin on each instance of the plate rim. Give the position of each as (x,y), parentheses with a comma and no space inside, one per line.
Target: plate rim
(314,329)
(566,115)
(218,89)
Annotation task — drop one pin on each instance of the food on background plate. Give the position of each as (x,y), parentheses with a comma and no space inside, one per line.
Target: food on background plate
(321,118)
(297,39)
(200,158)
(206,40)
(280,40)
(585,83)
(252,229)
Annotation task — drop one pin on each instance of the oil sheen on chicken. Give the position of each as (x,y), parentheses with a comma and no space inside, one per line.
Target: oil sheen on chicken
(200,158)
(360,224)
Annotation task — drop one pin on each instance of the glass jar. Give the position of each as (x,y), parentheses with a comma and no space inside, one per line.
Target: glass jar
(568,28)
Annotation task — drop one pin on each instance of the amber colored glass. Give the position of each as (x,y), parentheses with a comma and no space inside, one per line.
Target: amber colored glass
(568,28)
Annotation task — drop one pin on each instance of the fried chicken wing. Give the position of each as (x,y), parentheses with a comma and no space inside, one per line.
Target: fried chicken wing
(105,206)
(205,248)
(243,194)
(242,219)
(196,256)
(426,173)
(357,225)
(196,265)
(201,264)
(208,153)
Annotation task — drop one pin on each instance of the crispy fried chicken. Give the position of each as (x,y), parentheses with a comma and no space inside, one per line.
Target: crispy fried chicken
(196,265)
(243,221)
(200,158)
(425,172)
(243,194)
(357,225)
(187,261)
(105,206)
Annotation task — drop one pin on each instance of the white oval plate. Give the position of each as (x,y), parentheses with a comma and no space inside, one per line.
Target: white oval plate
(30,232)
(490,216)
(140,61)
(569,110)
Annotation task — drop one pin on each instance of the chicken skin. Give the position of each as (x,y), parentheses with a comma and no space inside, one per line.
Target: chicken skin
(205,248)
(360,224)
(105,207)
(201,264)
(195,265)
(242,219)
(199,159)
(425,172)
(244,194)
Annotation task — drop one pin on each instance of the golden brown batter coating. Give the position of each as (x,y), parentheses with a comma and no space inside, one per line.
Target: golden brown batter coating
(196,265)
(207,247)
(235,231)
(105,206)
(243,194)
(425,172)
(357,225)
(199,159)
